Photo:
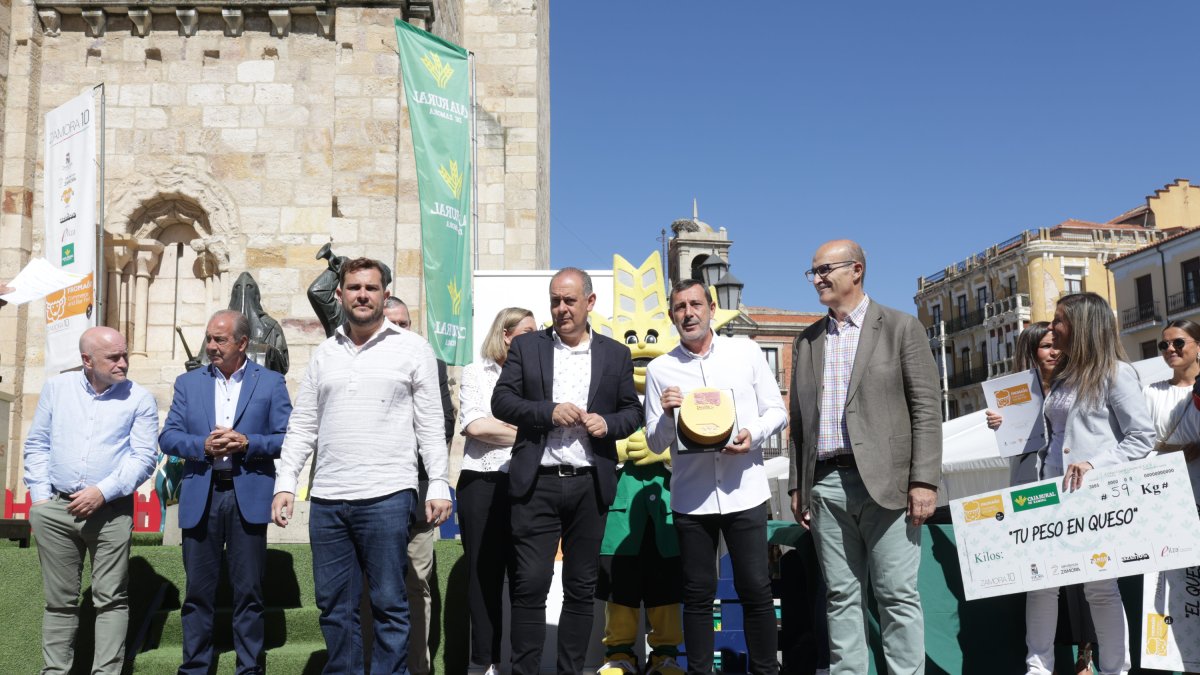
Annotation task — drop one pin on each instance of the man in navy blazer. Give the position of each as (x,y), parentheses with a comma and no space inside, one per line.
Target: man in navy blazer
(227,420)
(570,393)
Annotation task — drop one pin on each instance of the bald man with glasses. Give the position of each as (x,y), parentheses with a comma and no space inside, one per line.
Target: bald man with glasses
(867,428)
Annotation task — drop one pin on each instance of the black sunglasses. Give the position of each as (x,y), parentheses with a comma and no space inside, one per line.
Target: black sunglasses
(826,269)
(1177,343)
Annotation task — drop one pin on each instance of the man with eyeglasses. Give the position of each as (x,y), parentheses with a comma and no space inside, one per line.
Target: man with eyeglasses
(867,430)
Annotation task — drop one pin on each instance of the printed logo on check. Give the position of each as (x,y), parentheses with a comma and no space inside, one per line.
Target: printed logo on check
(983,508)
(1035,497)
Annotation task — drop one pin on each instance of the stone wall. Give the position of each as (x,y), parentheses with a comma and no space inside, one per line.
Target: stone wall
(227,154)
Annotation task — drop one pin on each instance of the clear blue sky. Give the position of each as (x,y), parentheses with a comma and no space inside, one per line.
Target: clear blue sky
(926,131)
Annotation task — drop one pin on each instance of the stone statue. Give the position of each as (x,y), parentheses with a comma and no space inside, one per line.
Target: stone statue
(268,346)
(322,292)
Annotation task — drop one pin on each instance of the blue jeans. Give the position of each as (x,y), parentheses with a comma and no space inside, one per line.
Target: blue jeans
(349,539)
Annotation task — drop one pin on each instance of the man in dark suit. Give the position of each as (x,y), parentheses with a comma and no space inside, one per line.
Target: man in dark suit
(228,421)
(867,427)
(570,393)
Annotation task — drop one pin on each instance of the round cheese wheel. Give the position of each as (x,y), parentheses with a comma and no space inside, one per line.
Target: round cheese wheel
(706,416)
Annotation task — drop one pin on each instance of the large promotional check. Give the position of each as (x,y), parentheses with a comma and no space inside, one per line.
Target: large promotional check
(1130,519)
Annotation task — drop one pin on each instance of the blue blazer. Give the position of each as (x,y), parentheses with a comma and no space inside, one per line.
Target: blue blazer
(262,416)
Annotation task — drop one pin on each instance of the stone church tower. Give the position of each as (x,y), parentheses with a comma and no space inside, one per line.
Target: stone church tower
(241,137)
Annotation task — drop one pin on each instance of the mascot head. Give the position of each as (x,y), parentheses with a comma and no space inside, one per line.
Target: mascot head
(641,316)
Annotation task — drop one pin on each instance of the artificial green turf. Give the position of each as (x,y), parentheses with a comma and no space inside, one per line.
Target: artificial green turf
(156,574)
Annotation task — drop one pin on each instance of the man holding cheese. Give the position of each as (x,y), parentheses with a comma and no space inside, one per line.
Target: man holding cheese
(727,401)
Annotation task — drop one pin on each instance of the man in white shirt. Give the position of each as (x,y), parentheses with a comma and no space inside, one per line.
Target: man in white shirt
(369,402)
(721,492)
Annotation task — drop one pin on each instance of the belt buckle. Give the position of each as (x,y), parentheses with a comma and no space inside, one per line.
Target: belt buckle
(567,471)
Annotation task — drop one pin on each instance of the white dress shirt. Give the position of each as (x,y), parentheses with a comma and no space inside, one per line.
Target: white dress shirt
(714,482)
(225,402)
(475,403)
(367,411)
(572,379)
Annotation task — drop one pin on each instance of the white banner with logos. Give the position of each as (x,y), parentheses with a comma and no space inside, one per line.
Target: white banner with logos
(1135,518)
(69,205)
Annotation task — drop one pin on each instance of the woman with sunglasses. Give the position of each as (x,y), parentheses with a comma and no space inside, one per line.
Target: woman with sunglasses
(1176,420)
(1095,417)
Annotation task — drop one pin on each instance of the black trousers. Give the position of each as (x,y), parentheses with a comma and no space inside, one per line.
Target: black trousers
(557,507)
(223,532)
(745,535)
(483,516)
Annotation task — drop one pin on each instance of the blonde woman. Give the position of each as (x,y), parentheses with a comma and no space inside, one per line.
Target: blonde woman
(1176,420)
(1095,417)
(483,486)
(1035,351)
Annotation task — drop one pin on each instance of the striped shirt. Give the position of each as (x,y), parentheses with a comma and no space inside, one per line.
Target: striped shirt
(841,345)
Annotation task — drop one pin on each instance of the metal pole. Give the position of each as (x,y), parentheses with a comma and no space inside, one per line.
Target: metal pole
(945,375)
(474,170)
(101,278)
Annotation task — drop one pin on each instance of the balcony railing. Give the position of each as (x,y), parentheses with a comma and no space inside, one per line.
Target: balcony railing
(1182,302)
(971,376)
(1019,304)
(968,320)
(1143,314)
(998,368)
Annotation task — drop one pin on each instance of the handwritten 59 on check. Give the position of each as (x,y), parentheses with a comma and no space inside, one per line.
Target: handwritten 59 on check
(1129,519)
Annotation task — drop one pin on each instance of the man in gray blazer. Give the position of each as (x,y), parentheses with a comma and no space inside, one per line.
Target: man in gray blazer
(867,431)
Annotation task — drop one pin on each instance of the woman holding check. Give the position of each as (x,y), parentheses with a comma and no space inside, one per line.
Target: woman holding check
(1036,352)
(1095,416)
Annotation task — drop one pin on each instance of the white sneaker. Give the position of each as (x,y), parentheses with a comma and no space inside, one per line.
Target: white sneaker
(493,669)
(616,667)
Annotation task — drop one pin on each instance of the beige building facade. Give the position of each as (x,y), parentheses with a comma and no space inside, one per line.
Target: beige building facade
(242,138)
(1160,282)
(974,310)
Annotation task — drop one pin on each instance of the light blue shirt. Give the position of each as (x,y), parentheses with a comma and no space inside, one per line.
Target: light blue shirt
(226,391)
(80,438)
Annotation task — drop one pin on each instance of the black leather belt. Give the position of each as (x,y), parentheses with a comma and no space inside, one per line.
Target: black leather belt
(565,470)
(838,462)
(65,496)
(222,479)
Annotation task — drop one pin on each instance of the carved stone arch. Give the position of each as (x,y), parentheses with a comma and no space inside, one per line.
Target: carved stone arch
(169,236)
(181,187)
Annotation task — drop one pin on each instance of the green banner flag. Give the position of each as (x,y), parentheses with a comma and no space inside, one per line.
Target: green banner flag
(437,87)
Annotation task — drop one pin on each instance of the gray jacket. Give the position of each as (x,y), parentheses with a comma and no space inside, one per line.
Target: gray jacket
(893,407)
(1119,431)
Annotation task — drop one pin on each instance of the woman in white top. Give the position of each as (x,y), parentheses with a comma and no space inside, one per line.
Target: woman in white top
(483,486)
(1095,416)
(1176,420)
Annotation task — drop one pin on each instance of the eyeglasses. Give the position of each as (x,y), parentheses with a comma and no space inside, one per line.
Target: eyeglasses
(826,269)
(1177,343)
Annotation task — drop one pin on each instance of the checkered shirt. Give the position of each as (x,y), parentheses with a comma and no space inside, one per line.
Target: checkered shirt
(841,344)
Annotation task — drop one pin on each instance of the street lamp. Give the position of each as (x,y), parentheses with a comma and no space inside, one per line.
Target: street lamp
(729,295)
(712,269)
